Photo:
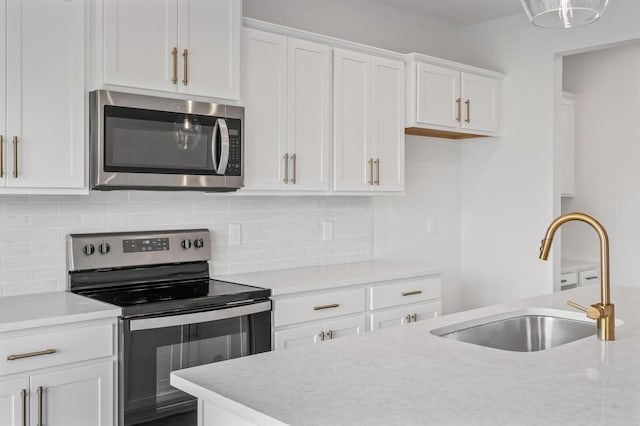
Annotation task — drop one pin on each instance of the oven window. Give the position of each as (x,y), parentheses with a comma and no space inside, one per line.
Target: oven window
(151,355)
(144,141)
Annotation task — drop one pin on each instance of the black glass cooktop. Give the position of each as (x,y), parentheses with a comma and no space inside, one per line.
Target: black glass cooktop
(169,298)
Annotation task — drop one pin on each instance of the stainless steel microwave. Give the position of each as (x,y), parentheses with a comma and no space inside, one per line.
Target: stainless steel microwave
(147,142)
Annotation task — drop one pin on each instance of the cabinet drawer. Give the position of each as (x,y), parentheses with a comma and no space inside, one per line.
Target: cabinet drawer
(590,277)
(568,278)
(404,292)
(317,306)
(72,345)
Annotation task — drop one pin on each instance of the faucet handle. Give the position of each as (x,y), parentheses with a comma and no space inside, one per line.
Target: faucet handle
(594,311)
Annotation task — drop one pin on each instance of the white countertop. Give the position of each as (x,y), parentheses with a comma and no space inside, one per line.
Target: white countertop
(572,265)
(287,281)
(407,376)
(42,309)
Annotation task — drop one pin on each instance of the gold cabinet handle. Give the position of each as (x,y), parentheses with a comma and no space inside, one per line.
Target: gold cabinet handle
(412,293)
(468,104)
(294,159)
(31,354)
(1,156)
(174,53)
(15,156)
(23,396)
(321,336)
(185,55)
(40,398)
(286,167)
(319,308)
(370,171)
(377,181)
(459,103)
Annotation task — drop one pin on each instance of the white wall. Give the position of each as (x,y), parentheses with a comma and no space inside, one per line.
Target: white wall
(607,156)
(508,193)
(362,21)
(401,229)
(278,232)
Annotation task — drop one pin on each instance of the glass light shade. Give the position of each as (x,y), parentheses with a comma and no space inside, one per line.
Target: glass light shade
(563,13)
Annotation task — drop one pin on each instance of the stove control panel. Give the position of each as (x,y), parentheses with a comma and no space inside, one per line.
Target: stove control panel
(125,249)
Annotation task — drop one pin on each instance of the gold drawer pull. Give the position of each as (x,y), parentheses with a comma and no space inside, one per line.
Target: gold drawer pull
(412,293)
(319,308)
(30,354)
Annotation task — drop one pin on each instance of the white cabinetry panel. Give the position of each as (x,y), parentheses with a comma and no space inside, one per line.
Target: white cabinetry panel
(405,315)
(287,110)
(80,396)
(184,46)
(11,402)
(45,94)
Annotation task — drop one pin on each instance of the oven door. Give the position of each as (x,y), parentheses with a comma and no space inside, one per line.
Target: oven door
(153,347)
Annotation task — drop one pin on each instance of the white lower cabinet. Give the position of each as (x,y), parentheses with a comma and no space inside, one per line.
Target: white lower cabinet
(405,315)
(319,332)
(301,319)
(60,382)
(12,394)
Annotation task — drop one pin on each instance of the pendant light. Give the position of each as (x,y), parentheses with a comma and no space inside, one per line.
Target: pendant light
(563,13)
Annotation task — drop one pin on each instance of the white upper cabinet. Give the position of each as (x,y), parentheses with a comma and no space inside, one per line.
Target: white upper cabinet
(450,100)
(287,110)
(184,46)
(42,96)
(368,122)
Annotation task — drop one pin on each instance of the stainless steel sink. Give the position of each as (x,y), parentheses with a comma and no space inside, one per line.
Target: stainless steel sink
(519,332)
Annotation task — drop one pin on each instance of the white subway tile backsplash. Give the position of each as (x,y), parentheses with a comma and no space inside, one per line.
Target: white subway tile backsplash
(277,232)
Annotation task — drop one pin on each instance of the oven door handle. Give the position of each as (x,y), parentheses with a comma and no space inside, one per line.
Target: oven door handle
(198,317)
(221,128)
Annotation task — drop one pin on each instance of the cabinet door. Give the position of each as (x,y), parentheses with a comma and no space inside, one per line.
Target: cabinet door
(405,315)
(309,66)
(388,124)
(139,37)
(46,97)
(13,409)
(567,145)
(438,96)
(265,97)
(81,396)
(480,103)
(352,121)
(297,336)
(345,327)
(210,31)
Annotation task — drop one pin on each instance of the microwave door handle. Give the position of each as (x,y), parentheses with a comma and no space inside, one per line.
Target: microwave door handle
(220,127)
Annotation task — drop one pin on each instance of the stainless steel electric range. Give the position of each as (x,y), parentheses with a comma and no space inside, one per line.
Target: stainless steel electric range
(173,315)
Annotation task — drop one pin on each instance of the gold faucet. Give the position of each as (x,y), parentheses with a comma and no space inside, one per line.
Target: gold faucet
(603,312)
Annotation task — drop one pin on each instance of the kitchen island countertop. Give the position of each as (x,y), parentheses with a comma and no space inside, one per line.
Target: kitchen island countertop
(408,376)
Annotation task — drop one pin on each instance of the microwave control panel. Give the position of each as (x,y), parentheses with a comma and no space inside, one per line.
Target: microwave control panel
(234,167)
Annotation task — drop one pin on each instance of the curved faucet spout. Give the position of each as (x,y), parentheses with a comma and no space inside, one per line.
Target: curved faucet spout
(603,311)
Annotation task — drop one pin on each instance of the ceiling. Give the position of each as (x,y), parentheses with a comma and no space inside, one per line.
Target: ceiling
(458,12)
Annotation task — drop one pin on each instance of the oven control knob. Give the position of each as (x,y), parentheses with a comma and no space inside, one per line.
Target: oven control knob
(199,243)
(88,249)
(186,244)
(104,248)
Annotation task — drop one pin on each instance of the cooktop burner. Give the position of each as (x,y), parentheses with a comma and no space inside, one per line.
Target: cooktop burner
(159,298)
(135,299)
